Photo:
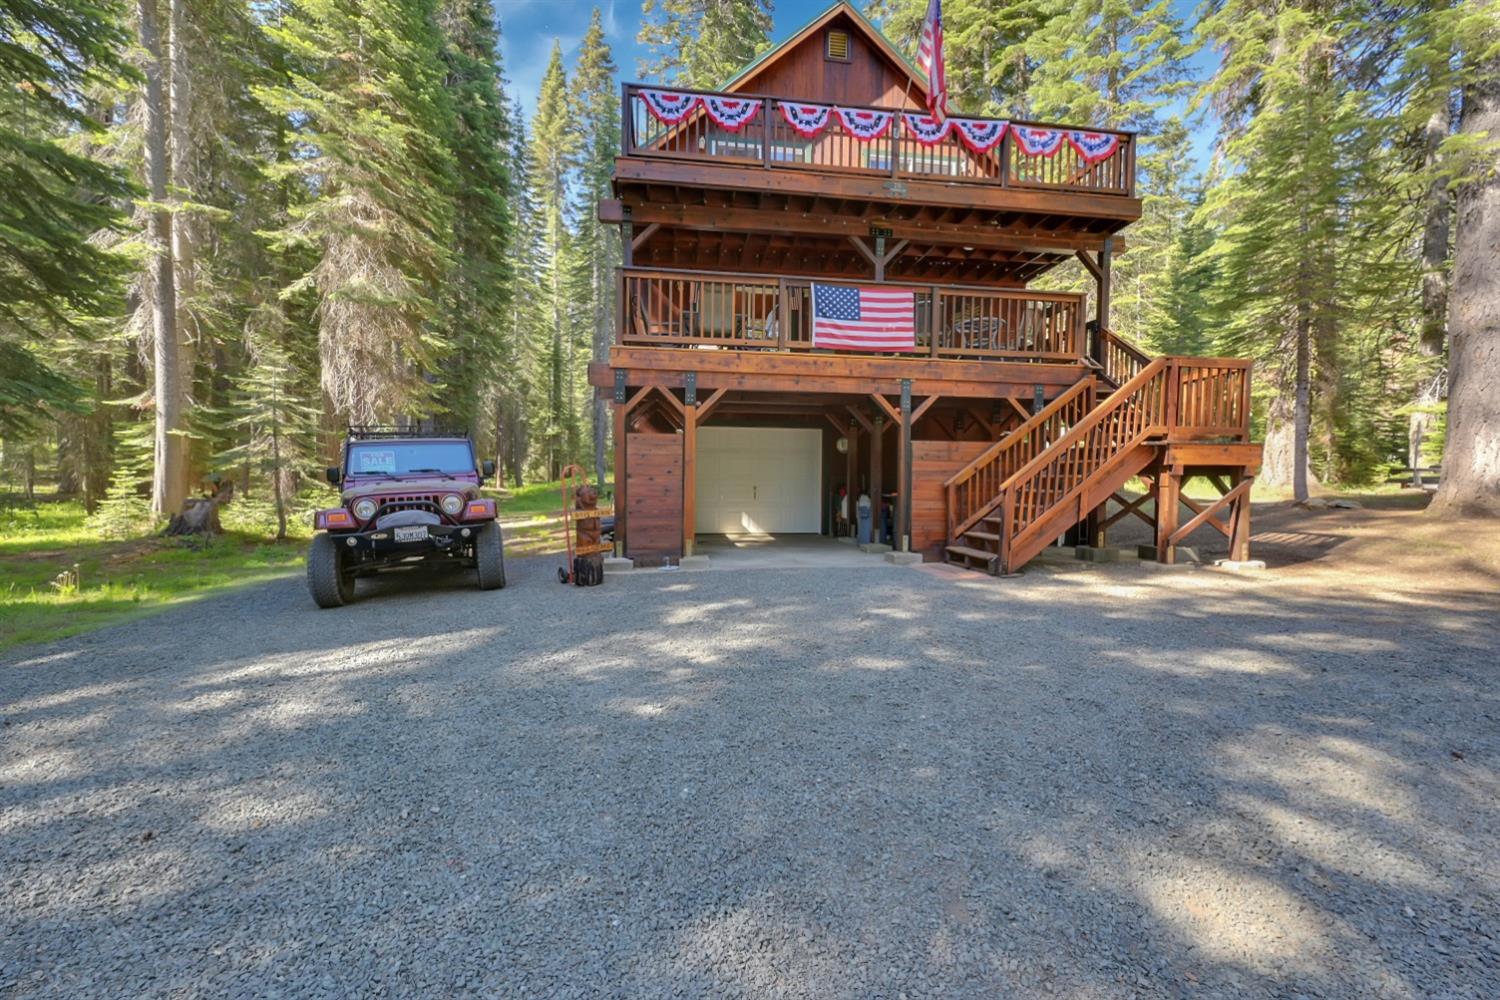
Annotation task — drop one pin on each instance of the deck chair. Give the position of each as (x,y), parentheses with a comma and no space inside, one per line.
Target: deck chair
(716,319)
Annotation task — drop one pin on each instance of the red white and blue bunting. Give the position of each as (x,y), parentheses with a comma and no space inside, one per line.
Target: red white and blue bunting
(864,125)
(731,113)
(668,106)
(980,134)
(1038,141)
(925,129)
(807,120)
(1094,146)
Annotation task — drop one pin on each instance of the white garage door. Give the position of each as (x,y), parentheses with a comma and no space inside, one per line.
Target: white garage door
(759,480)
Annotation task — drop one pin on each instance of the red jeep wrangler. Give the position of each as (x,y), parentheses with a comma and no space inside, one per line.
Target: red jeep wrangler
(407,497)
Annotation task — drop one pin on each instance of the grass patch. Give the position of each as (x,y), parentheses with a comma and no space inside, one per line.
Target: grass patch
(61,579)
(531,516)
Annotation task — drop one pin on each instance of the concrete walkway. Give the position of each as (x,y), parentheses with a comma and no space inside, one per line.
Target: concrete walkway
(738,552)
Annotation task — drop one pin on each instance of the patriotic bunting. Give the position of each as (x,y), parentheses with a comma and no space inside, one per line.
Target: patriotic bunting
(730,113)
(807,120)
(1038,141)
(668,106)
(1094,146)
(865,125)
(926,130)
(979,134)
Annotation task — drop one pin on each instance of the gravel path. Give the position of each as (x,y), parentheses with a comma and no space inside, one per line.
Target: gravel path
(837,783)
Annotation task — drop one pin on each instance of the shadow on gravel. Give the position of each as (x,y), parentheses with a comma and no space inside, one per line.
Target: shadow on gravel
(859,784)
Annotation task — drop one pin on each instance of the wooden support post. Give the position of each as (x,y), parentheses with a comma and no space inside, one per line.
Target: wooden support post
(1106,257)
(689,475)
(621,410)
(1239,523)
(877,439)
(903,500)
(1168,490)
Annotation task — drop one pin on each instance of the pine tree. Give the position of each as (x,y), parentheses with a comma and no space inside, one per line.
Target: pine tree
(477,292)
(55,276)
(364,98)
(1281,230)
(990,65)
(599,245)
(554,148)
(702,43)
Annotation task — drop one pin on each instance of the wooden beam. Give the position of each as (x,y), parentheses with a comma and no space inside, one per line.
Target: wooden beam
(653,171)
(689,478)
(814,223)
(643,235)
(923,408)
(884,404)
(1089,264)
(1205,514)
(865,252)
(707,406)
(863,420)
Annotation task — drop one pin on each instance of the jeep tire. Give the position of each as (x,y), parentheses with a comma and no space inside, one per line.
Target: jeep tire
(489,557)
(331,586)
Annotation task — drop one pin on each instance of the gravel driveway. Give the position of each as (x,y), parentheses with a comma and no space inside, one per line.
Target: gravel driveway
(861,783)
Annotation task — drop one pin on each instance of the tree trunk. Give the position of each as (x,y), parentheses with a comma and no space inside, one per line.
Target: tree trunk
(169,471)
(1435,227)
(1302,412)
(1471,460)
(181,172)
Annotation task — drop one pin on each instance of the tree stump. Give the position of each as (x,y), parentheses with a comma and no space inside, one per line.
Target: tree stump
(200,515)
(588,570)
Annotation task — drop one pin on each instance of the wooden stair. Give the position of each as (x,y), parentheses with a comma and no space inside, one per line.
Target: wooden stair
(1067,459)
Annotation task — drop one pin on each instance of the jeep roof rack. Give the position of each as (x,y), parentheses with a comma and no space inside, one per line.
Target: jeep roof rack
(359,432)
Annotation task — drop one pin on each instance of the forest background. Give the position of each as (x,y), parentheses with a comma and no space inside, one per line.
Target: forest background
(231,229)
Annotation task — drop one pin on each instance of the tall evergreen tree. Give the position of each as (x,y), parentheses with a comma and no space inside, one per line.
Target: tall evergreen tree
(598,106)
(364,97)
(554,150)
(478,288)
(702,43)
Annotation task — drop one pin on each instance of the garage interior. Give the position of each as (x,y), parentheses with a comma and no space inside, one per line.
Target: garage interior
(767,469)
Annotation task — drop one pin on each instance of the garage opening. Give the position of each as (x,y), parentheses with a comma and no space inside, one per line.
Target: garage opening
(759,482)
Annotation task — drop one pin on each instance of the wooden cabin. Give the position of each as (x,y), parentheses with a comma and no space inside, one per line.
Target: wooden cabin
(1011,417)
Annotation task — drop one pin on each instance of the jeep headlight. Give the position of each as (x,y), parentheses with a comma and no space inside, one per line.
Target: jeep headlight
(365,509)
(452,504)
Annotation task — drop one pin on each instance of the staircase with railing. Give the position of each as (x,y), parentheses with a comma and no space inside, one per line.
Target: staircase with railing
(1021,494)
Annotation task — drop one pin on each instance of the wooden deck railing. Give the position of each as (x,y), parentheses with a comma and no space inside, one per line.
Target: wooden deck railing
(975,490)
(750,311)
(1120,360)
(768,141)
(1211,398)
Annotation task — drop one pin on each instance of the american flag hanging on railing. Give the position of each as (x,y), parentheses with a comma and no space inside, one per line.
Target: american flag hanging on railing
(878,318)
(930,61)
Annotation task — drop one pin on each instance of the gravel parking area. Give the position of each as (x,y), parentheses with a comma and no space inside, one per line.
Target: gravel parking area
(872,782)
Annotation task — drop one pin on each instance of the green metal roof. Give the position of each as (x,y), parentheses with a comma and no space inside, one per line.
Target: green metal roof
(859,16)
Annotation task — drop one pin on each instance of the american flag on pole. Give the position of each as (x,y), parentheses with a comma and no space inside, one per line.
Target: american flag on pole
(864,319)
(930,61)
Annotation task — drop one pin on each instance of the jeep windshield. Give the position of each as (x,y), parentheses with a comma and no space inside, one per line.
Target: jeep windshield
(401,458)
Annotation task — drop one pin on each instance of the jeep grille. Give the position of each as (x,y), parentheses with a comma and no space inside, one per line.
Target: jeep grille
(415,501)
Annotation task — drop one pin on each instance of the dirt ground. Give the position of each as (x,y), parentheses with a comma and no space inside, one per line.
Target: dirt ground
(1389,546)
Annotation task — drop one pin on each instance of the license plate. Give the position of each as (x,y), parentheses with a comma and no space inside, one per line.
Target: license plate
(416,534)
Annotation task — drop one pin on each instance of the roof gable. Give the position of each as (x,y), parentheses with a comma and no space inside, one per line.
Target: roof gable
(841,14)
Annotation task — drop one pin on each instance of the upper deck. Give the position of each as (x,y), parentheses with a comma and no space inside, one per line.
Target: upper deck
(1071,185)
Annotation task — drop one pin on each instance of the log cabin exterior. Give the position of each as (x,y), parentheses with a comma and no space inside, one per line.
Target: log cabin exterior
(1019,415)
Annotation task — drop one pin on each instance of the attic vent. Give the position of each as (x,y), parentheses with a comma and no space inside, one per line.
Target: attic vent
(838,46)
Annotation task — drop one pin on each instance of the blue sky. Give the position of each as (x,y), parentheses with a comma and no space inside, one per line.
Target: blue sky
(528,28)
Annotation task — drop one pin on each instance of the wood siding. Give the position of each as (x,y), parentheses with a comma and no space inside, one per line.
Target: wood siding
(653,493)
(803,72)
(932,463)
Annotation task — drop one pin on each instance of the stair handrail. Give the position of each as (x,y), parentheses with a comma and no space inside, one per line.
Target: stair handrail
(1144,403)
(1120,359)
(997,462)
